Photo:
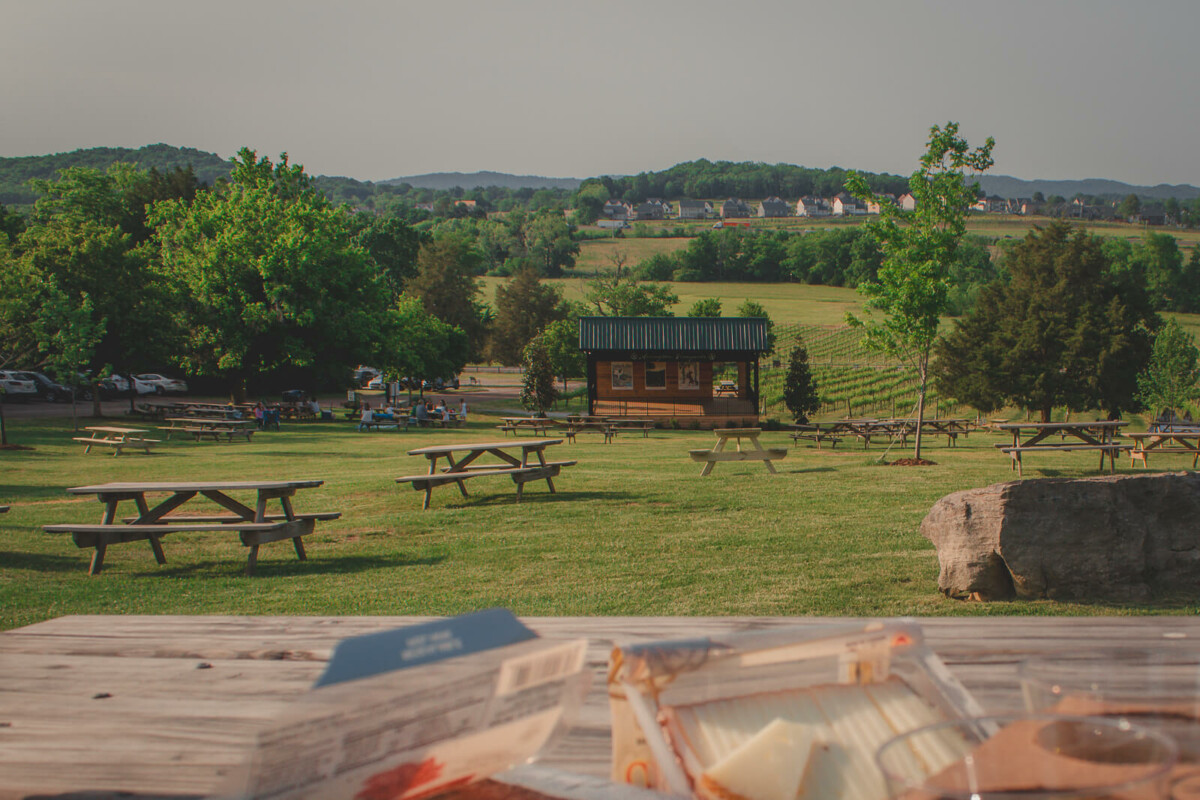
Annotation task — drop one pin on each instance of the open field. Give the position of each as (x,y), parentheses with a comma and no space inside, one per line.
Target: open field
(633,530)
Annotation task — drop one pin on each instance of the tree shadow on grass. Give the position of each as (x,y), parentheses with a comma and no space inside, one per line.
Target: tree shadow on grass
(331,564)
(41,562)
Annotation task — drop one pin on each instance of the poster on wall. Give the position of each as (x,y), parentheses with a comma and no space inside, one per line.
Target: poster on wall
(622,374)
(689,376)
(656,375)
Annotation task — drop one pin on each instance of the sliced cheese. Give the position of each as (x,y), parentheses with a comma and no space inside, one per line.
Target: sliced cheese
(768,766)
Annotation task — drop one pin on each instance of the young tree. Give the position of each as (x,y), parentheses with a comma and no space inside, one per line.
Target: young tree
(708,307)
(561,338)
(537,383)
(1172,378)
(524,307)
(1064,330)
(1130,206)
(911,290)
(750,308)
(799,387)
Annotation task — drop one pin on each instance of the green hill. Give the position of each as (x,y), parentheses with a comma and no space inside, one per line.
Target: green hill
(16,172)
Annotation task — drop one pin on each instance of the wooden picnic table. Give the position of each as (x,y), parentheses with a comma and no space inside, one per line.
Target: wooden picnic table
(629,423)
(755,453)
(160,706)
(575,425)
(255,526)
(516,425)
(1173,440)
(725,387)
(115,437)
(1096,435)
(210,427)
(461,464)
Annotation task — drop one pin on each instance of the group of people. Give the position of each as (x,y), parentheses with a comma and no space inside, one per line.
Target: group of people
(422,412)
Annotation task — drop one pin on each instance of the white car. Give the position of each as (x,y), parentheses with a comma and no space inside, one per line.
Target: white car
(17,388)
(153,383)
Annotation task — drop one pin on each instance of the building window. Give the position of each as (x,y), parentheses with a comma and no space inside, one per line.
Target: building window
(656,375)
(622,375)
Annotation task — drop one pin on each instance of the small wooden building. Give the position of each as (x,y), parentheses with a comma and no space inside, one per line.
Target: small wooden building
(692,369)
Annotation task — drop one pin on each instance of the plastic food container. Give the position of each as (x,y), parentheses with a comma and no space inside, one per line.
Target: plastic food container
(785,713)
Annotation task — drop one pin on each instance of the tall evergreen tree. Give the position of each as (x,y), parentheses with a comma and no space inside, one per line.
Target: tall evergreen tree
(799,387)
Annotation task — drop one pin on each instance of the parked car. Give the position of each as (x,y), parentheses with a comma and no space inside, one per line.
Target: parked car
(154,383)
(17,388)
(114,386)
(364,375)
(49,390)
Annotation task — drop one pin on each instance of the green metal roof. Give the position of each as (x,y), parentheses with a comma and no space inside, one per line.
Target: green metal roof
(673,334)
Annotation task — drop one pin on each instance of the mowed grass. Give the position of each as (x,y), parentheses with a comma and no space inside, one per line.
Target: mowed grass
(633,529)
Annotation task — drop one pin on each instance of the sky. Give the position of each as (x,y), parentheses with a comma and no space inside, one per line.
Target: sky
(1069,89)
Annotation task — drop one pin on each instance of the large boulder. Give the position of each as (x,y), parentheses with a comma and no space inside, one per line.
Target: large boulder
(1121,538)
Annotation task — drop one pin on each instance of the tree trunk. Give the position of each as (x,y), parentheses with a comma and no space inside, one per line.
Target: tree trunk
(3,430)
(237,391)
(1046,412)
(923,379)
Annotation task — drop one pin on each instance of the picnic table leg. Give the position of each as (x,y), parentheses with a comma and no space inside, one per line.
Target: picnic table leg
(97,559)
(708,465)
(251,560)
(767,461)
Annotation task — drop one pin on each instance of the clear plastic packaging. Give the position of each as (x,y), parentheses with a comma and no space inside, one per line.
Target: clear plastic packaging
(785,712)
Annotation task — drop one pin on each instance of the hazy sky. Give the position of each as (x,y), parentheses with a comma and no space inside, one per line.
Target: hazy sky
(375,90)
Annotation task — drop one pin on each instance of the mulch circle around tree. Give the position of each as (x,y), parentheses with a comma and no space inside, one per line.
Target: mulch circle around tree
(911,462)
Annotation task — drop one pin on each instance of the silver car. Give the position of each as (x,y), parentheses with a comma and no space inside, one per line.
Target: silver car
(16,388)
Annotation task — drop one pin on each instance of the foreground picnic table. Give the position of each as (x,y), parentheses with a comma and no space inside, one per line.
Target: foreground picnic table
(461,459)
(754,453)
(167,705)
(1097,436)
(254,525)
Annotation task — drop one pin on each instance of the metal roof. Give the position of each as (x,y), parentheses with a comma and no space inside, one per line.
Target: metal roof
(673,334)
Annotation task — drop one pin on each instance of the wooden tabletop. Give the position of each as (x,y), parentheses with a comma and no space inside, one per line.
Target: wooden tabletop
(162,704)
(192,486)
(1096,423)
(210,421)
(440,449)
(105,429)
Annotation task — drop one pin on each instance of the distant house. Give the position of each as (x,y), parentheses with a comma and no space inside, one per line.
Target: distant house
(694,209)
(1024,205)
(617,209)
(813,207)
(733,208)
(774,207)
(907,202)
(424,206)
(846,206)
(653,208)
(873,207)
(992,205)
(1149,219)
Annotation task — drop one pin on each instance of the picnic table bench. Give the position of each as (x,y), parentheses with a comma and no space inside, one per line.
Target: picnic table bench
(1173,440)
(116,438)
(1096,436)
(626,423)
(756,452)
(571,427)
(254,525)
(463,468)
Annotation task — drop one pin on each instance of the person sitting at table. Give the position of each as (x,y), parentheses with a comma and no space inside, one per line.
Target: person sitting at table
(421,412)
(445,412)
(368,417)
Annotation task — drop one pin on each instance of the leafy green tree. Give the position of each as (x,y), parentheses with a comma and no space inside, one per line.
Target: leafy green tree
(561,339)
(754,309)
(549,244)
(524,307)
(799,387)
(1064,330)
(426,347)
(589,202)
(537,384)
(270,278)
(708,307)
(1172,378)
(621,296)
(1130,206)
(445,282)
(911,291)
(392,245)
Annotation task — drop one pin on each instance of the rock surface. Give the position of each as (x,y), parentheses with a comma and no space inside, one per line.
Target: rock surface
(1121,538)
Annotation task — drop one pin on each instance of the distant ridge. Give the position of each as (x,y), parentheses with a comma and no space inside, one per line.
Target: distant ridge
(473,180)
(1005,186)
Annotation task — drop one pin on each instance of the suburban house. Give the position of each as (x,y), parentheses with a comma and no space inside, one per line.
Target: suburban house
(874,207)
(774,207)
(992,205)
(694,209)
(617,209)
(653,208)
(691,369)
(813,207)
(907,202)
(735,208)
(846,206)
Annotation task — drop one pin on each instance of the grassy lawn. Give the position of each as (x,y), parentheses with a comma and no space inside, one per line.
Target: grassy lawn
(632,530)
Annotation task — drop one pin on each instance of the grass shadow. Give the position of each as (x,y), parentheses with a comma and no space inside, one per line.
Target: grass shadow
(41,562)
(533,497)
(329,565)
